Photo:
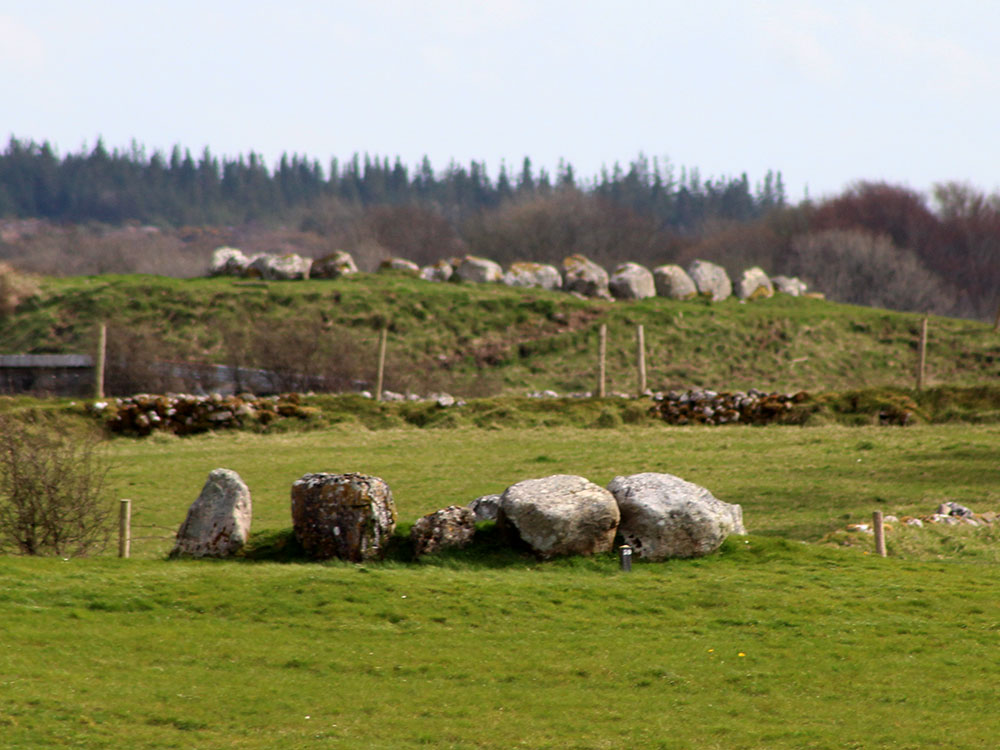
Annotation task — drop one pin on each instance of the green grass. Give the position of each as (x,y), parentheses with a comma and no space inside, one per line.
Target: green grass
(770,644)
(479,339)
(795,483)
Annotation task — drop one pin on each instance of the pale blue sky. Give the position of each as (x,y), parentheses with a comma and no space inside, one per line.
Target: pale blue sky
(826,92)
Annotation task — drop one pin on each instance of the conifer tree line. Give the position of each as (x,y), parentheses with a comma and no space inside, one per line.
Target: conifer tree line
(179,189)
(874,244)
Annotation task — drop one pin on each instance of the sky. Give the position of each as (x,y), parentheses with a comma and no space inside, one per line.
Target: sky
(827,93)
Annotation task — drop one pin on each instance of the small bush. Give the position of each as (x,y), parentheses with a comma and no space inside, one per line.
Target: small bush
(52,490)
(15,288)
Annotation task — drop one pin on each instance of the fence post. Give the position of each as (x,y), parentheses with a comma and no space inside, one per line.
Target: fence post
(602,354)
(102,348)
(124,528)
(380,373)
(879,530)
(640,336)
(996,322)
(921,367)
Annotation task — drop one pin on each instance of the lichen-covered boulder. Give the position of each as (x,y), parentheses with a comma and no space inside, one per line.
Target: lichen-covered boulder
(218,522)
(631,281)
(711,280)
(485,508)
(440,271)
(336,264)
(449,528)
(673,282)
(538,275)
(349,516)
(477,270)
(287,267)
(791,285)
(663,516)
(754,284)
(583,276)
(400,265)
(228,261)
(559,515)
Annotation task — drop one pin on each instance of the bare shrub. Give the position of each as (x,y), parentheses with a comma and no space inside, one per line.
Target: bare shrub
(52,490)
(863,269)
(15,288)
(138,361)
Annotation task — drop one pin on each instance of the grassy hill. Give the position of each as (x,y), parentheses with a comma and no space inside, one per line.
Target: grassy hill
(479,340)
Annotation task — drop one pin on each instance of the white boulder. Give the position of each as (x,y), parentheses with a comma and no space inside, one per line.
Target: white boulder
(663,516)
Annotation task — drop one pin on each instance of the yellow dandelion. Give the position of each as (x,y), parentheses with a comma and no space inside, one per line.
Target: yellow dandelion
(741,654)
(711,650)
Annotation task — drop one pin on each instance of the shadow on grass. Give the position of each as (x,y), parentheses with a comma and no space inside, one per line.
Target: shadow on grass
(489,549)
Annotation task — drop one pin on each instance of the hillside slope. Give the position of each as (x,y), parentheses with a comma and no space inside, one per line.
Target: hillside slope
(479,340)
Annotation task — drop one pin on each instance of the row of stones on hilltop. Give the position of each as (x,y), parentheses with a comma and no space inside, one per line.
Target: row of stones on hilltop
(578,275)
(353,516)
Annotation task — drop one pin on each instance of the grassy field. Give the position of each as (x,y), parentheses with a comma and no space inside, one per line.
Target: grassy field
(487,339)
(778,641)
(794,636)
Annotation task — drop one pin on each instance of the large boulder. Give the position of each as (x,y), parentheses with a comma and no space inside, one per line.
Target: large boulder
(585,277)
(336,264)
(663,516)
(349,516)
(218,522)
(559,515)
(228,261)
(754,284)
(449,528)
(526,274)
(673,282)
(477,270)
(287,267)
(440,271)
(791,285)
(400,265)
(631,281)
(711,280)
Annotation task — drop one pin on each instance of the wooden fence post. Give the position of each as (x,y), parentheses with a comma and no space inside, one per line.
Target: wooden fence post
(602,353)
(125,528)
(879,530)
(102,348)
(380,373)
(640,336)
(921,367)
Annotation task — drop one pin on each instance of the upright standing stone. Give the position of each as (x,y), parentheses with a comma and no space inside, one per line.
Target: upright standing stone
(755,284)
(673,282)
(228,261)
(583,276)
(711,280)
(333,266)
(525,274)
(478,270)
(631,281)
(349,516)
(218,522)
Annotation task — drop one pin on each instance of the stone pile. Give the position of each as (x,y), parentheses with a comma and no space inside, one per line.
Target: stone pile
(711,407)
(186,414)
(947,514)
